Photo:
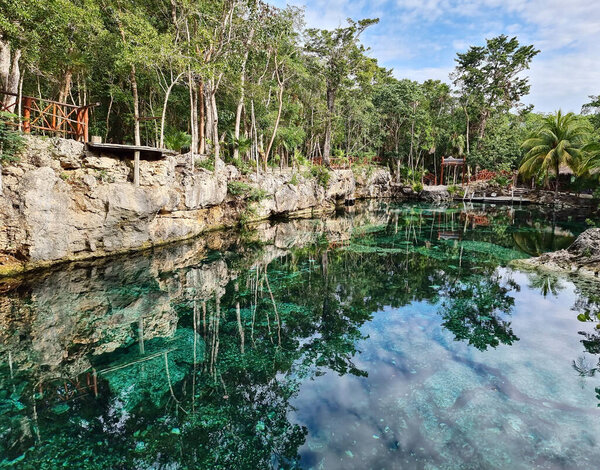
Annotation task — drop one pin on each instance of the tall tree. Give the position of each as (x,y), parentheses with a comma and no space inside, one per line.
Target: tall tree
(340,55)
(557,142)
(491,76)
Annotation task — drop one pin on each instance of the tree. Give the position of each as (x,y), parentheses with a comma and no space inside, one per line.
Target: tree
(490,76)
(340,55)
(557,142)
(10,142)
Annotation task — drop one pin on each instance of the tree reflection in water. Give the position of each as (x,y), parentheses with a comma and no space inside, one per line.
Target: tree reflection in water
(191,356)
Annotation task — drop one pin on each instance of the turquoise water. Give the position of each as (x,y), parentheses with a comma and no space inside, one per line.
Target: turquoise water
(395,336)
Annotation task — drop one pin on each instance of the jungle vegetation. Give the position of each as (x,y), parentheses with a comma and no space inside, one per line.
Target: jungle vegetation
(247,82)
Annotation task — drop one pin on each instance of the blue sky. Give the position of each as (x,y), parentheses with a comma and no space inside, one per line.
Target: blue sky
(419,38)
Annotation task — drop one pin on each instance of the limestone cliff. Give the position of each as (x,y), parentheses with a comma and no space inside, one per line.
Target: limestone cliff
(62,202)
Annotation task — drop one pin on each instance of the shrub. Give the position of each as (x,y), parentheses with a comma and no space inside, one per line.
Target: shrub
(321,174)
(239,188)
(11,141)
(294,179)
(206,163)
(417,187)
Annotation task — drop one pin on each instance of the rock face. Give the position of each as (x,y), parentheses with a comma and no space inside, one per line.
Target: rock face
(582,257)
(62,202)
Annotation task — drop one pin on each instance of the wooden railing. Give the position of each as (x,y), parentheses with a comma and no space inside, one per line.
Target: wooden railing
(47,116)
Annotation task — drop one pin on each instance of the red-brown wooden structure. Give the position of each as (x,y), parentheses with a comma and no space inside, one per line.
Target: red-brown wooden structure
(45,115)
(451,161)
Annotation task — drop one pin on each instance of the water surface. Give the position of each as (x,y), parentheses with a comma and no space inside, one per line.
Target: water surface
(395,336)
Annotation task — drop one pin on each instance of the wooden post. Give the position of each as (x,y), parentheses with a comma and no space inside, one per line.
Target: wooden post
(463,173)
(79,126)
(136,168)
(54,116)
(442,175)
(86,121)
(27,115)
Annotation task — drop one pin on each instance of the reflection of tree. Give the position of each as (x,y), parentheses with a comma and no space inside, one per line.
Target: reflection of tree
(546,282)
(472,310)
(211,384)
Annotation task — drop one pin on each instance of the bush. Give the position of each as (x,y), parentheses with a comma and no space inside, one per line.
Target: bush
(294,180)
(11,141)
(206,163)
(321,174)
(239,188)
(417,187)
(501,180)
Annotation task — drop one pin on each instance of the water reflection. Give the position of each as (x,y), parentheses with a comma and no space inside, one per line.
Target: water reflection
(368,339)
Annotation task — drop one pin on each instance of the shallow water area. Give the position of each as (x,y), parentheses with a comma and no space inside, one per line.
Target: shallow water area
(391,336)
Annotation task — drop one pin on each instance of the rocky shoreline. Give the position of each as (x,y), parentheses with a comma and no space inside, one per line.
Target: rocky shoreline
(582,257)
(62,202)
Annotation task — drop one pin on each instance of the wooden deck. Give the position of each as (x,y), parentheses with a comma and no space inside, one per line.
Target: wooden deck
(147,153)
(497,199)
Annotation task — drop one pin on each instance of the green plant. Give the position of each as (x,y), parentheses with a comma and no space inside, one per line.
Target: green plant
(65,176)
(452,189)
(500,180)
(294,179)
(11,142)
(239,188)
(205,163)
(248,215)
(177,140)
(417,187)
(321,174)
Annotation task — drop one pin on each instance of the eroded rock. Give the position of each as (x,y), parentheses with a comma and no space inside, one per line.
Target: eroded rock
(582,257)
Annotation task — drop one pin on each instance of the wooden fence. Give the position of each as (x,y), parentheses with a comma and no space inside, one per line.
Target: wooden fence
(48,117)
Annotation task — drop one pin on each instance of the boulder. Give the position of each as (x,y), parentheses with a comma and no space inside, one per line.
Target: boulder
(204,189)
(582,257)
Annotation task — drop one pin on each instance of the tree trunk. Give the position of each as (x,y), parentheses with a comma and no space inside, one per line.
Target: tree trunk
(240,105)
(280,99)
(212,120)
(164,110)
(468,124)
(327,143)
(557,179)
(201,119)
(136,128)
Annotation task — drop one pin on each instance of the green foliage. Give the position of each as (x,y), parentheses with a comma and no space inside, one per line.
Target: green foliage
(417,187)
(321,174)
(11,141)
(178,140)
(472,311)
(206,163)
(558,141)
(251,193)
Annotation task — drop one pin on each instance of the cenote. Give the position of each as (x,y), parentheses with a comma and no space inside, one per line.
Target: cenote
(391,336)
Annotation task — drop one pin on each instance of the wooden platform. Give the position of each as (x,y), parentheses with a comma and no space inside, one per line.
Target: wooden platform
(497,200)
(147,153)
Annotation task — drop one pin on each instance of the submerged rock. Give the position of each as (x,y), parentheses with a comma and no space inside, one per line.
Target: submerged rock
(582,257)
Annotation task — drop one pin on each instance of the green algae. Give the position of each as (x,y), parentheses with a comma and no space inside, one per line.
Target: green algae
(203,364)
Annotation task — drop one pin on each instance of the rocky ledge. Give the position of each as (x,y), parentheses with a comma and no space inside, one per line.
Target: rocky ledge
(582,257)
(62,202)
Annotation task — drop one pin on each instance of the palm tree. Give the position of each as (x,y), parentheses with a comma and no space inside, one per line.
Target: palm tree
(591,160)
(557,142)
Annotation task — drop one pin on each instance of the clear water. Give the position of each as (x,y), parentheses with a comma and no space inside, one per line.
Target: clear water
(393,337)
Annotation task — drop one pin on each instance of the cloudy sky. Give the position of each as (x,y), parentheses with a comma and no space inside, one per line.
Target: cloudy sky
(419,38)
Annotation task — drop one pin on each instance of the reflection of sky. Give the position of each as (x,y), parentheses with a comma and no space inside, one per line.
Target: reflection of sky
(432,402)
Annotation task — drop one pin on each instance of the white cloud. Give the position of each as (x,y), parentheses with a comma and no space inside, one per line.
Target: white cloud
(414,38)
